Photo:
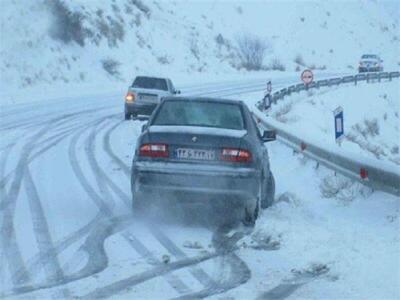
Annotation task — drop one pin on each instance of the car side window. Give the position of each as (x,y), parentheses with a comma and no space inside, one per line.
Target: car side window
(257,129)
(171,86)
(254,124)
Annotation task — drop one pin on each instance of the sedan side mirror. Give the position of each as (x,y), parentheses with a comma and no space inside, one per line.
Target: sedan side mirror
(144,126)
(269,136)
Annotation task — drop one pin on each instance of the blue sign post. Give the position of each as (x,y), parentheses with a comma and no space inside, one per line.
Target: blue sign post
(339,128)
(267,96)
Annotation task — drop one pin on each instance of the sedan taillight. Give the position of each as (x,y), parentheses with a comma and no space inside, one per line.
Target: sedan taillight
(129,96)
(235,155)
(154,150)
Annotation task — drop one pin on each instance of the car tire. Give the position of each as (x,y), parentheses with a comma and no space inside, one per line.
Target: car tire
(137,204)
(250,217)
(268,192)
(127,116)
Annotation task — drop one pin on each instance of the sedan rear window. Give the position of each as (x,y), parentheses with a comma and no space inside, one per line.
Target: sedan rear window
(150,83)
(200,113)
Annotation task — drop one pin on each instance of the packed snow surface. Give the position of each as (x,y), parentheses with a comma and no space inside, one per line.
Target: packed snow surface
(67,229)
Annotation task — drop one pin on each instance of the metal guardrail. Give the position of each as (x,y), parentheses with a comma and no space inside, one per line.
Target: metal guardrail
(375,174)
(280,94)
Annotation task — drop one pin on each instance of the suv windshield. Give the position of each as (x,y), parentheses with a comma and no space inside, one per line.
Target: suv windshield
(150,83)
(200,113)
(371,56)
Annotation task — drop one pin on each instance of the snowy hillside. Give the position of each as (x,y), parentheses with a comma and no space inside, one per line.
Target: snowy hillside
(102,43)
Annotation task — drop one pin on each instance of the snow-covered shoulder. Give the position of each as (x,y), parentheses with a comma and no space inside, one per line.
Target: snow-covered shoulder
(371,118)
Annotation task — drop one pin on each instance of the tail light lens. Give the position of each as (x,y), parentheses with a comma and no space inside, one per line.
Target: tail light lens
(153,150)
(235,155)
(129,97)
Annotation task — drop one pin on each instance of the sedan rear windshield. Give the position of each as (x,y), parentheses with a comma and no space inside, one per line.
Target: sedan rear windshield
(150,83)
(201,113)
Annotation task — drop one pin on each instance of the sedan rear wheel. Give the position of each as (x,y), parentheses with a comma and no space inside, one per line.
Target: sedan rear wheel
(127,116)
(251,215)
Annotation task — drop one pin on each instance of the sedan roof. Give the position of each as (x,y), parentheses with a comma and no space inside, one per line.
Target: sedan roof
(203,99)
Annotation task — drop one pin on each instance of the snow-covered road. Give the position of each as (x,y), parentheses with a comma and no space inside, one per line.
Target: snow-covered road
(67,230)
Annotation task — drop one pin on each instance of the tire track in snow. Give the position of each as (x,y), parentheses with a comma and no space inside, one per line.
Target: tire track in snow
(103,181)
(19,273)
(172,279)
(58,122)
(34,263)
(99,202)
(240,273)
(97,260)
(128,169)
(8,240)
(109,151)
(3,160)
(44,118)
(198,273)
(97,263)
(94,244)
(121,285)
(228,263)
(288,286)
(51,264)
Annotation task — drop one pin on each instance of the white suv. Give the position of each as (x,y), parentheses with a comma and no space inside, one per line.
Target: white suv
(145,93)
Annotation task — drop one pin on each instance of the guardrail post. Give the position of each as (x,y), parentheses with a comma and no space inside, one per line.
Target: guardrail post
(379,77)
(355,80)
(367,77)
(390,76)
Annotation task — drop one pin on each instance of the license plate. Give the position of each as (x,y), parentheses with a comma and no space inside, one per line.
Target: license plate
(148,98)
(198,154)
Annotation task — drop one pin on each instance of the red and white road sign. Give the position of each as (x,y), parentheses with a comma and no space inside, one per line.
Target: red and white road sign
(307,76)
